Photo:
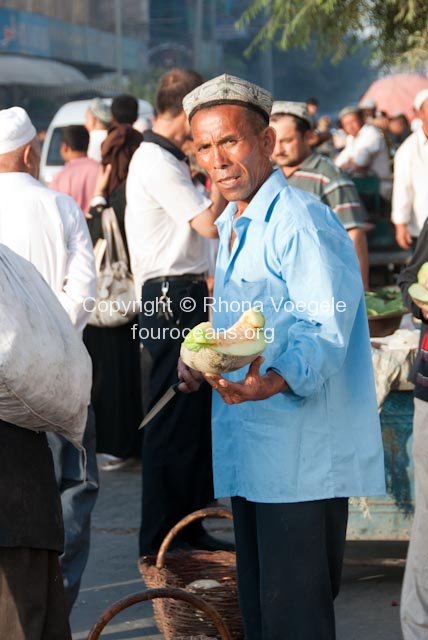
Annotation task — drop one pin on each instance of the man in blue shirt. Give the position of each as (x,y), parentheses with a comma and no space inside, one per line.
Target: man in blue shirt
(298,433)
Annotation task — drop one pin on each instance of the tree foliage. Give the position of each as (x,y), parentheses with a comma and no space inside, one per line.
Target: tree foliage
(396,30)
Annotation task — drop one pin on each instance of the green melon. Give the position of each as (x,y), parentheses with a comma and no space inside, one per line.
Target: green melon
(209,351)
(423,275)
(418,293)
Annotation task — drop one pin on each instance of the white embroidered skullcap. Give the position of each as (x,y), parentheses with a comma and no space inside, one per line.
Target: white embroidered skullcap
(288,108)
(16,129)
(420,99)
(226,89)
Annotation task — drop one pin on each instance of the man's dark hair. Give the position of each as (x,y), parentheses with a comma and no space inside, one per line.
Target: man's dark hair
(313,101)
(172,88)
(76,137)
(124,109)
(301,125)
(257,121)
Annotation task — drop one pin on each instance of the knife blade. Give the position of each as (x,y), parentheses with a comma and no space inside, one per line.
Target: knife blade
(160,404)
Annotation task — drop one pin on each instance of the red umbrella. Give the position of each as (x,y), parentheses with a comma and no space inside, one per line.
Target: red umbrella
(395,94)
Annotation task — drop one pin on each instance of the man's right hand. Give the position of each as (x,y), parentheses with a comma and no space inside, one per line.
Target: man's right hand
(191,379)
(402,236)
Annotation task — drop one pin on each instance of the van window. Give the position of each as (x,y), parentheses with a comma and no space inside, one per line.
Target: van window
(54,157)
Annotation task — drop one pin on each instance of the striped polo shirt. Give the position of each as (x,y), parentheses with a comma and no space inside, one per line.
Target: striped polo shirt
(320,176)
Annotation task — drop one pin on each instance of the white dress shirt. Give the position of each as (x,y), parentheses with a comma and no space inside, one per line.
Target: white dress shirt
(410,194)
(50,231)
(368,149)
(161,200)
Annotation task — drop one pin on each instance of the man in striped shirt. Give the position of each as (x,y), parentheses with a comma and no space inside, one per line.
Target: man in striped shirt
(312,172)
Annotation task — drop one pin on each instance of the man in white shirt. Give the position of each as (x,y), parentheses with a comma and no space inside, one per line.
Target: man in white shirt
(410,193)
(48,229)
(167,219)
(365,150)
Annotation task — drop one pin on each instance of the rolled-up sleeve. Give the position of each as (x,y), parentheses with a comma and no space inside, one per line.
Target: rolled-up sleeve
(325,291)
(80,276)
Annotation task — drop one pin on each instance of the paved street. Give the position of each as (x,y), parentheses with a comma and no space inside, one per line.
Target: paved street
(366,608)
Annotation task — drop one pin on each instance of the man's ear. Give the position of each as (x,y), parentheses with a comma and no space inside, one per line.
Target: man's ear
(27,156)
(268,140)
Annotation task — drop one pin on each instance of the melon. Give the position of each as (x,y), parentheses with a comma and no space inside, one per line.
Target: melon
(418,293)
(419,290)
(423,275)
(211,351)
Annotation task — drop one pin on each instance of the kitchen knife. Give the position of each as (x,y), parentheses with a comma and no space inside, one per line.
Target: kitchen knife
(161,403)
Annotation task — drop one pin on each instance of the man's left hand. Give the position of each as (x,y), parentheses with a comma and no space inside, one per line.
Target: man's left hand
(253,387)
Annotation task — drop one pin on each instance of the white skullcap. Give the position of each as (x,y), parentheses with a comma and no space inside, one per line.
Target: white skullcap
(420,99)
(367,103)
(226,89)
(297,109)
(16,129)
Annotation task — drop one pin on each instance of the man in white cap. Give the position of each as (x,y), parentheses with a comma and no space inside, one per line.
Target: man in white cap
(410,192)
(97,121)
(365,152)
(48,229)
(297,433)
(308,170)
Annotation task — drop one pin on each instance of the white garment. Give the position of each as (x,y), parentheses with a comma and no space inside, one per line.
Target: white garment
(96,138)
(410,194)
(161,199)
(50,231)
(414,595)
(368,149)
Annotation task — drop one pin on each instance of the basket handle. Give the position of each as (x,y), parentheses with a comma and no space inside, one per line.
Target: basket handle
(151,594)
(209,512)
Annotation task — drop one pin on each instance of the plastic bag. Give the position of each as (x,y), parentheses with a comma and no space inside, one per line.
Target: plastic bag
(45,370)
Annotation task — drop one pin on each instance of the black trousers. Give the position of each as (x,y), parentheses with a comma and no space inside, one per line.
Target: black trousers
(177,464)
(289,561)
(32,599)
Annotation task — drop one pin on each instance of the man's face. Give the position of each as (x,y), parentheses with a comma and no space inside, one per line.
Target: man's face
(291,147)
(229,149)
(397,125)
(351,123)
(89,120)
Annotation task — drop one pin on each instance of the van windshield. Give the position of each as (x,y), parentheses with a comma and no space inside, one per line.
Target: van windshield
(54,157)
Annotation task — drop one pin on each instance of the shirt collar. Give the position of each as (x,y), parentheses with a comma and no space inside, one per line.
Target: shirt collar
(21,176)
(259,205)
(421,134)
(156,138)
(310,162)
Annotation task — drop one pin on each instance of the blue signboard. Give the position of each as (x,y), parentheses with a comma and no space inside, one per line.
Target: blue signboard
(32,34)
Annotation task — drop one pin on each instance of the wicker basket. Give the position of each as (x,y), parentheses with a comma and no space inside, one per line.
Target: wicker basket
(177,595)
(180,568)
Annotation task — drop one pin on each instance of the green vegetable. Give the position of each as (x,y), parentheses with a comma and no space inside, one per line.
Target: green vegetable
(384,302)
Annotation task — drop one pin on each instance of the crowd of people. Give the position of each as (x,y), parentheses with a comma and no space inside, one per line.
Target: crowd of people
(272,192)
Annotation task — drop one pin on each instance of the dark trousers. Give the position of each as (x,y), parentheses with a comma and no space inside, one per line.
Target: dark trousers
(32,600)
(289,561)
(177,466)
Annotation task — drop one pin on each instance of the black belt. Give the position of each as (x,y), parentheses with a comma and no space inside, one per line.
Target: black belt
(187,277)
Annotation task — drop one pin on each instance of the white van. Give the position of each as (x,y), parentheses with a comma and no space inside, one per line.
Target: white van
(72,113)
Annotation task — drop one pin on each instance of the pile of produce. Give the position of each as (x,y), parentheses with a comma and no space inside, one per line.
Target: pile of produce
(419,290)
(210,351)
(384,302)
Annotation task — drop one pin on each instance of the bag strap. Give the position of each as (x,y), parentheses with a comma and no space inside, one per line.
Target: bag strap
(113,237)
(99,252)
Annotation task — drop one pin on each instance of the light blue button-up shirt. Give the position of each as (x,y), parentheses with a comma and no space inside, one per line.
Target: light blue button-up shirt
(322,438)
